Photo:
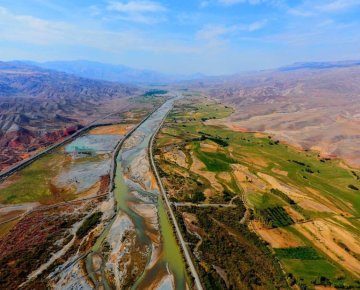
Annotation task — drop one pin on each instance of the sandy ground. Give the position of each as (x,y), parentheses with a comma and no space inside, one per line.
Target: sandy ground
(280,172)
(225,176)
(326,235)
(176,156)
(167,283)
(121,225)
(223,122)
(71,278)
(324,288)
(120,129)
(314,206)
(296,216)
(84,175)
(256,161)
(247,180)
(291,191)
(278,237)
(139,169)
(209,146)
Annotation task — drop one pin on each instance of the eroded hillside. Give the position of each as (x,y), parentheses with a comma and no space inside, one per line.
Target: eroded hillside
(39,107)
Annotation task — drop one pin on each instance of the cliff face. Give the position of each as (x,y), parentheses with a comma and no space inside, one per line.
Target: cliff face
(39,107)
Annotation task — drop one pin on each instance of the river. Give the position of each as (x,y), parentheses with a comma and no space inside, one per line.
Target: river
(142,252)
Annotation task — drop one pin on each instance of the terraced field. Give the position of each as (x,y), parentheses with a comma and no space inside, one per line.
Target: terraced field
(305,208)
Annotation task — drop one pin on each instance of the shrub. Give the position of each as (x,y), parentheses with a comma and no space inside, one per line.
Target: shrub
(353,187)
(88,224)
(282,195)
(198,196)
(275,217)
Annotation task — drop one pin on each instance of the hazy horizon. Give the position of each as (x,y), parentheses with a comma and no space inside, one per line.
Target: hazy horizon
(182,37)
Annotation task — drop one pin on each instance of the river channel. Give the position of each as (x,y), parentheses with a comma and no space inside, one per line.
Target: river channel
(141,249)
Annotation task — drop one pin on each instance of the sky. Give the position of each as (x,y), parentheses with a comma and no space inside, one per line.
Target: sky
(198,36)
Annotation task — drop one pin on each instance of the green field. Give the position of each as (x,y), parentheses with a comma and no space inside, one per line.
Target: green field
(32,183)
(303,253)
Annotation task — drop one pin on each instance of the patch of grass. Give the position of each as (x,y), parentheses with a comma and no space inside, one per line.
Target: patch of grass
(264,200)
(302,253)
(308,271)
(215,161)
(32,183)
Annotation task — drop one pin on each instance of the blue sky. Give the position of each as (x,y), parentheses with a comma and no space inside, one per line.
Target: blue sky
(208,36)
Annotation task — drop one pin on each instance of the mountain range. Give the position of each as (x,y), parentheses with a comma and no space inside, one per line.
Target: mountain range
(112,72)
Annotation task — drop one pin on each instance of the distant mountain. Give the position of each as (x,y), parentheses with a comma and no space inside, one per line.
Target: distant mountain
(113,73)
(320,65)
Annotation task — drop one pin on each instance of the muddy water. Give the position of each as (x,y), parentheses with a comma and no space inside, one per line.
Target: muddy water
(137,196)
(150,258)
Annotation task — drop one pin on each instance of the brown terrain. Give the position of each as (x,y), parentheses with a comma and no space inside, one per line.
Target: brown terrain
(39,107)
(312,108)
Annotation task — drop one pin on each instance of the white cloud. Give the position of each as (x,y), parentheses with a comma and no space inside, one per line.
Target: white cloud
(308,8)
(338,5)
(204,4)
(232,2)
(148,12)
(255,25)
(135,6)
(27,29)
(213,32)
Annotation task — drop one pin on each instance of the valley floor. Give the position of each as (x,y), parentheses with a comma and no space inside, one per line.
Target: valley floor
(258,213)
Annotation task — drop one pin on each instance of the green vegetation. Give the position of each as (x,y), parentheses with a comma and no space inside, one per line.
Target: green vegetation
(198,196)
(282,195)
(89,224)
(264,200)
(155,92)
(317,272)
(32,183)
(217,140)
(303,253)
(275,217)
(236,250)
(215,162)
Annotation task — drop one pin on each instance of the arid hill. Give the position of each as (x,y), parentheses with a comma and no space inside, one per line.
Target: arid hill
(316,108)
(39,107)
